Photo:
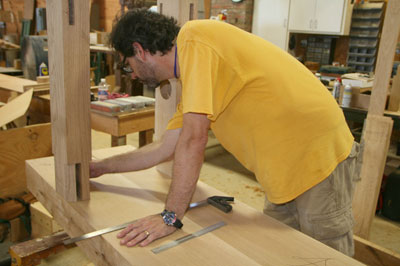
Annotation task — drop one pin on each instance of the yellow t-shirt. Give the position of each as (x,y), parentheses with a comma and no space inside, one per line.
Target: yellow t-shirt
(265,107)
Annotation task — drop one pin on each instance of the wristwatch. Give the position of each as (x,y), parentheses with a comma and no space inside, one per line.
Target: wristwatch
(170,218)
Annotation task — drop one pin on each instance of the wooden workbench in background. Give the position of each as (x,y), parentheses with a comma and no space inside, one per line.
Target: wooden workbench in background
(249,238)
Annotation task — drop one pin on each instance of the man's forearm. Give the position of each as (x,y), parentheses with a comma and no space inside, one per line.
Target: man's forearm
(189,156)
(143,158)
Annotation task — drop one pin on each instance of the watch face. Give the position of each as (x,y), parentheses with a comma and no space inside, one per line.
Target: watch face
(169,218)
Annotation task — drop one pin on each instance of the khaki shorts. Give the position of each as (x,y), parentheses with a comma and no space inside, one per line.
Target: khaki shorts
(324,212)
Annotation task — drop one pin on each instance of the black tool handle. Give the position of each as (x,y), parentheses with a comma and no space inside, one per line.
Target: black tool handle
(221,203)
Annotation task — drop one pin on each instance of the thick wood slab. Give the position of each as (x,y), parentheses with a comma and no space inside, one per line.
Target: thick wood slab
(14,84)
(250,237)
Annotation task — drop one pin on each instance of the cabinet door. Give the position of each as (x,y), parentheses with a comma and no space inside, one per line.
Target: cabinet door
(302,13)
(270,19)
(328,16)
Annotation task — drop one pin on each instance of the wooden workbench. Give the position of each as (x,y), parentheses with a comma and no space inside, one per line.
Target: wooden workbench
(249,238)
(118,126)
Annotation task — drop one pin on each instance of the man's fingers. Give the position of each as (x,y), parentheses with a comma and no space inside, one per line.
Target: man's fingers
(126,231)
(138,238)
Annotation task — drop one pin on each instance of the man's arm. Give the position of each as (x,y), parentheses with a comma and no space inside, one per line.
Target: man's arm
(146,157)
(189,158)
(189,155)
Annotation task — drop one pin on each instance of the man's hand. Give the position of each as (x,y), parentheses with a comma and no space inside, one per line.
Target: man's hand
(145,231)
(95,169)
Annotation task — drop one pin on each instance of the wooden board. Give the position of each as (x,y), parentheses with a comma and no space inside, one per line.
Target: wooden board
(15,84)
(15,108)
(69,59)
(387,47)
(43,224)
(18,145)
(394,100)
(376,139)
(250,237)
(372,254)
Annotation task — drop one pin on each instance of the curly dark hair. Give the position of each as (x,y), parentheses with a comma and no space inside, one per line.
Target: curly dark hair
(154,32)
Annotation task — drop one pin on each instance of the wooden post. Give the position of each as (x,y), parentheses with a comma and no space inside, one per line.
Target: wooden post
(377,129)
(182,11)
(68,33)
(394,100)
(387,48)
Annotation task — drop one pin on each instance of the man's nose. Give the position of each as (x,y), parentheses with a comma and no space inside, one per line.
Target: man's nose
(133,75)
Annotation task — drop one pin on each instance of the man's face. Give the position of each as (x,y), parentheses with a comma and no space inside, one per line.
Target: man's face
(144,72)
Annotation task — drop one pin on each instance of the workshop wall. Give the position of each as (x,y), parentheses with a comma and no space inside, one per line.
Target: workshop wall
(17,8)
(239,14)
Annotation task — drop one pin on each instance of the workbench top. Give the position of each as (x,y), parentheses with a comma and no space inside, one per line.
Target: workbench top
(249,238)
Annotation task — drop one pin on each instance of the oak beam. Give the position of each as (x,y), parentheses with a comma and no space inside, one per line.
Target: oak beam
(68,34)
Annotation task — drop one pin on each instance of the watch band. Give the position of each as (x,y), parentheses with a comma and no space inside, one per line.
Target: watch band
(170,219)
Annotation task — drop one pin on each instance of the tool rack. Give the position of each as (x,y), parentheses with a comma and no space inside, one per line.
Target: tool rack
(364,36)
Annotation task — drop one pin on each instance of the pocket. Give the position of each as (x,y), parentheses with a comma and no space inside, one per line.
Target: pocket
(355,161)
(332,225)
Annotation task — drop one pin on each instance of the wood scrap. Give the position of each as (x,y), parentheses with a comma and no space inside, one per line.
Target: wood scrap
(42,222)
(15,108)
(15,84)
(372,254)
(31,252)
(8,45)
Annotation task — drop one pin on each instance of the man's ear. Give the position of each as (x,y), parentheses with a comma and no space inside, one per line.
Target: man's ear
(139,51)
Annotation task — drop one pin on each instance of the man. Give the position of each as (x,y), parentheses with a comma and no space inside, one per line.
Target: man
(263,106)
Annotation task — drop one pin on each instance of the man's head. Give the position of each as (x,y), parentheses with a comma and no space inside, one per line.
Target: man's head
(153,31)
(142,37)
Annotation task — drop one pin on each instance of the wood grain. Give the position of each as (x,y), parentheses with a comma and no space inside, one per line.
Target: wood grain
(250,237)
(376,139)
(394,100)
(124,123)
(70,96)
(15,108)
(387,47)
(18,145)
(15,84)
(372,254)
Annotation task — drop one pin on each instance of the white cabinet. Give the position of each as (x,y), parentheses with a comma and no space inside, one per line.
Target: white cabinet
(270,21)
(320,16)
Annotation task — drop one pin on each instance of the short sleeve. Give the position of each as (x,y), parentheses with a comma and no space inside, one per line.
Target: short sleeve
(199,78)
(177,120)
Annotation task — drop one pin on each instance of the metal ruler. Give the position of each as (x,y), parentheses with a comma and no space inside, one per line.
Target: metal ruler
(188,237)
(97,233)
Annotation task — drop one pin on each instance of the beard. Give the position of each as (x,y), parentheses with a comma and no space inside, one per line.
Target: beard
(151,83)
(147,76)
